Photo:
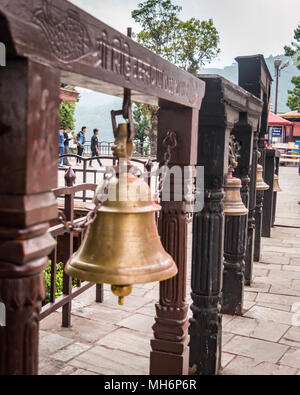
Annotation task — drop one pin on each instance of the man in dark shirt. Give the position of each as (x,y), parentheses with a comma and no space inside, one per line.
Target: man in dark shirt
(67,140)
(95,147)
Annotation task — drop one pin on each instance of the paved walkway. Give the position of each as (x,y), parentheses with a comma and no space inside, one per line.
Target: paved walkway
(109,339)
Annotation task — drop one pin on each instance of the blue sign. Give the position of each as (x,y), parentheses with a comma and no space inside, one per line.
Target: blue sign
(277,131)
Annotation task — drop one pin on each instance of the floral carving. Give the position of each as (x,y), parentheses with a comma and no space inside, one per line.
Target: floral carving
(67,36)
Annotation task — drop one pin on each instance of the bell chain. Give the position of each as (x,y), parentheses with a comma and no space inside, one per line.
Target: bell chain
(91,216)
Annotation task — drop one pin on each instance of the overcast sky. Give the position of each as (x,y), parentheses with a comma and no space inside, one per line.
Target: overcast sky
(246,27)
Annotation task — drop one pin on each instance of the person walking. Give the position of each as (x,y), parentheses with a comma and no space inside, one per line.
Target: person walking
(95,147)
(61,146)
(67,140)
(80,141)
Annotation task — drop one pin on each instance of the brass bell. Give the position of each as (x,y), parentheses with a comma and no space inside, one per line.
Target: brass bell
(260,183)
(122,246)
(233,204)
(276,187)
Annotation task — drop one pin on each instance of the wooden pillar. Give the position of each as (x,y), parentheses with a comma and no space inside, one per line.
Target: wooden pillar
(269,194)
(277,167)
(208,233)
(258,224)
(170,352)
(223,107)
(251,232)
(255,77)
(236,227)
(234,264)
(28,171)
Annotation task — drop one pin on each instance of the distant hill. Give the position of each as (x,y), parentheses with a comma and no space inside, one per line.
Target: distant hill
(93,110)
(231,73)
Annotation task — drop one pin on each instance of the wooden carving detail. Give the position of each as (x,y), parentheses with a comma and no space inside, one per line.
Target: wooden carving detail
(66,34)
(171,338)
(207,260)
(26,206)
(19,339)
(234,264)
(250,241)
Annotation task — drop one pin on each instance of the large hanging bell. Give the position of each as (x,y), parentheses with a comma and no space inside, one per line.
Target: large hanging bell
(276,187)
(233,204)
(260,183)
(122,246)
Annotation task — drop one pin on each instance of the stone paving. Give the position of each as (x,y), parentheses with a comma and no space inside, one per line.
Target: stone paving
(109,339)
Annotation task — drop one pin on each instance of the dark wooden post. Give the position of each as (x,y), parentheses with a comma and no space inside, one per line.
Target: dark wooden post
(258,224)
(220,112)
(269,194)
(277,167)
(234,264)
(255,77)
(208,232)
(28,171)
(170,352)
(236,227)
(250,241)
(68,241)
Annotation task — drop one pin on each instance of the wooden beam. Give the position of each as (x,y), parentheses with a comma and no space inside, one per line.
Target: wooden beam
(92,54)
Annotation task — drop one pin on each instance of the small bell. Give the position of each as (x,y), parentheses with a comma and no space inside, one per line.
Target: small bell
(260,183)
(233,204)
(122,246)
(276,187)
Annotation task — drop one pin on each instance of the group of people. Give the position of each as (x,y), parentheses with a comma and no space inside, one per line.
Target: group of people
(65,137)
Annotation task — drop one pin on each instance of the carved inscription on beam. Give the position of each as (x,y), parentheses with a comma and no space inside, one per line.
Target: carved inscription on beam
(91,53)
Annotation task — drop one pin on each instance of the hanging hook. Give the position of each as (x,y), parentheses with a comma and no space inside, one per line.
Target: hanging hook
(126,112)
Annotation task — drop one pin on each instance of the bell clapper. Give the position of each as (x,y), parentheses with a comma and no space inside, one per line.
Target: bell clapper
(121,291)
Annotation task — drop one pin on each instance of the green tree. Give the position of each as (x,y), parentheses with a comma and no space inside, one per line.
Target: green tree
(67,111)
(67,118)
(294,49)
(187,44)
(293,101)
(196,44)
(141,123)
(158,19)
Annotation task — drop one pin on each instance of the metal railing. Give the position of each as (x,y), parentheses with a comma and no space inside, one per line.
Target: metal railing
(67,243)
(95,176)
(105,148)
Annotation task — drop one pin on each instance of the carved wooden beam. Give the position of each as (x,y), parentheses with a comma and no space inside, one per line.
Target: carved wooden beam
(91,54)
